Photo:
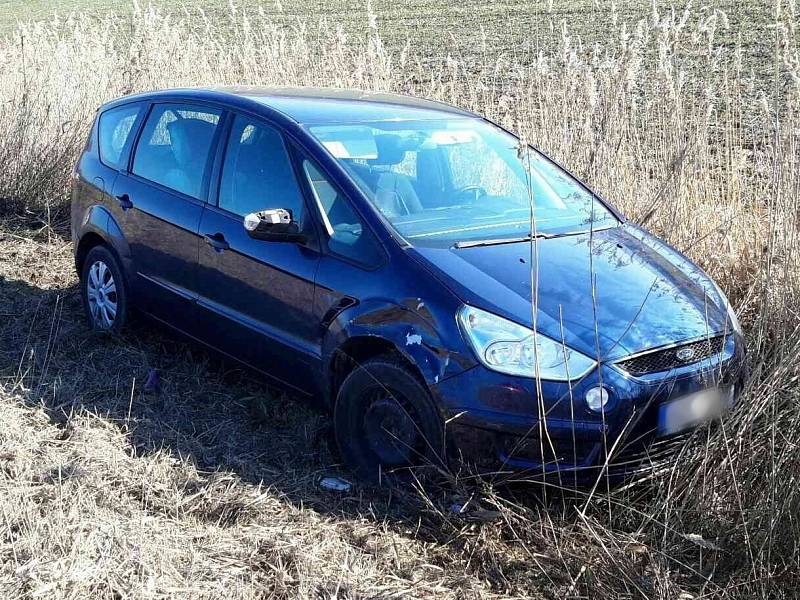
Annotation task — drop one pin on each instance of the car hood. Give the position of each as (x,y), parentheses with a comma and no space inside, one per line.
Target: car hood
(646,294)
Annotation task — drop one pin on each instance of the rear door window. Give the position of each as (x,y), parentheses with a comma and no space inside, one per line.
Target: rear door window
(114,129)
(174,146)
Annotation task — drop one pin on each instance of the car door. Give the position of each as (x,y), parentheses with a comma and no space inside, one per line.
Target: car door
(256,297)
(351,253)
(159,202)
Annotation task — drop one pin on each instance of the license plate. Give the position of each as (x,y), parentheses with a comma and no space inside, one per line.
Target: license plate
(692,410)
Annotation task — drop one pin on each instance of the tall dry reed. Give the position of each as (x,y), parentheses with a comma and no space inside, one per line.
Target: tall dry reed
(662,119)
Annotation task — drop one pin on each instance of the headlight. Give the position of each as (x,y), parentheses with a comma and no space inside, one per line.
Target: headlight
(737,327)
(504,346)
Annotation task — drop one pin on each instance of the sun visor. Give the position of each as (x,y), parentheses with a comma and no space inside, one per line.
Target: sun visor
(348,143)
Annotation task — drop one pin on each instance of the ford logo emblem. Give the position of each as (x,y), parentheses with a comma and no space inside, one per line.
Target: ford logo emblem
(685,354)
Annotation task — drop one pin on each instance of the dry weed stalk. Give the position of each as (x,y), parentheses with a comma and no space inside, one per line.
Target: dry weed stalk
(662,120)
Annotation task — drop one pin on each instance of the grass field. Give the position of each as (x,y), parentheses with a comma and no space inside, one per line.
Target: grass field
(687,120)
(474,28)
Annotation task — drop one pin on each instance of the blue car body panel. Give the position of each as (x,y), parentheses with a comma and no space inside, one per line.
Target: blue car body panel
(642,298)
(288,310)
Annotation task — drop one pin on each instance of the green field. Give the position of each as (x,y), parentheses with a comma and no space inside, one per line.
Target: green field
(513,28)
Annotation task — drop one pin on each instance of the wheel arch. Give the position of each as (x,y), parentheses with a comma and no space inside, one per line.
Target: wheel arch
(88,241)
(100,228)
(377,328)
(356,351)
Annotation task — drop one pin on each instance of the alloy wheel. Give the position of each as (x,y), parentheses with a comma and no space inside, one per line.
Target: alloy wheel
(101,291)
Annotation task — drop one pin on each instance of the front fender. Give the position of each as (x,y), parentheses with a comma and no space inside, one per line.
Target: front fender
(409,328)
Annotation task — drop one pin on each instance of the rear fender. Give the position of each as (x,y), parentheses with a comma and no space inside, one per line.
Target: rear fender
(98,220)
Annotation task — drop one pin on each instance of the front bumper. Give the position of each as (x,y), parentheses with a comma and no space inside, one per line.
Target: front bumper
(505,424)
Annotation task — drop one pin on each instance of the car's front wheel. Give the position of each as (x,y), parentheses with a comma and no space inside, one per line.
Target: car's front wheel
(386,422)
(105,299)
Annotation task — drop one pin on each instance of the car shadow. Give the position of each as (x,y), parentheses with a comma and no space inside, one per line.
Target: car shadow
(207,409)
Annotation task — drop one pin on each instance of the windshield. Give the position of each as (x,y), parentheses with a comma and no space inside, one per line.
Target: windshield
(458,181)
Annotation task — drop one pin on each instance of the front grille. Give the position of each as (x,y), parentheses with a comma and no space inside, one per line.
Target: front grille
(674,357)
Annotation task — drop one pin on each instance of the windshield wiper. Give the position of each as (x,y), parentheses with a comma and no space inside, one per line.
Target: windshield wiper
(527,238)
(476,243)
(497,242)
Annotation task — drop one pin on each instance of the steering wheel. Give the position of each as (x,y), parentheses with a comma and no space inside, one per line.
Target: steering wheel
(471,193)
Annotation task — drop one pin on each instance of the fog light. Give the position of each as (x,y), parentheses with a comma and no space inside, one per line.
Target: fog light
(596,399)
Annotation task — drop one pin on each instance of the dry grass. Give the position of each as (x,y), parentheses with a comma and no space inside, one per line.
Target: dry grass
(210,487)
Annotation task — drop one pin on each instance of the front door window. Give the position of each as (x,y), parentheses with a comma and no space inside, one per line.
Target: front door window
(256,172)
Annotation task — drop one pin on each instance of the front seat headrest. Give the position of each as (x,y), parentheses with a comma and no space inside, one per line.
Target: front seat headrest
(190,139)
(390,150)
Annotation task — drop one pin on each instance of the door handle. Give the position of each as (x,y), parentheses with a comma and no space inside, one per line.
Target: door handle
(124,201)
(217,242)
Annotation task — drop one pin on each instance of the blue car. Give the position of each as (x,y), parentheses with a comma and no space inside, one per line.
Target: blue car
(447,292)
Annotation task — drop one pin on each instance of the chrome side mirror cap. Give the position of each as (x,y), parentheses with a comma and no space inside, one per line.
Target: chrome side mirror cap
(273,225)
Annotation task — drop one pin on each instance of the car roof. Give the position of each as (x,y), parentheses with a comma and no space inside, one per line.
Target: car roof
(316,105)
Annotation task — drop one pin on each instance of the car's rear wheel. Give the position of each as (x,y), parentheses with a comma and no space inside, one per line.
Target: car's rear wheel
(386,422)
(105,298)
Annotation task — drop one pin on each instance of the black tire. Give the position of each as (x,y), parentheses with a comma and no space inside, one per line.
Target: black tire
(118,298)
(385,422)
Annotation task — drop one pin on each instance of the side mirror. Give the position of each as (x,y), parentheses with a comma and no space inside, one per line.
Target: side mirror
(273,225)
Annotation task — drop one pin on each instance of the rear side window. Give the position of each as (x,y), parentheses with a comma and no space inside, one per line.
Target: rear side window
(114,129)
(174,146)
